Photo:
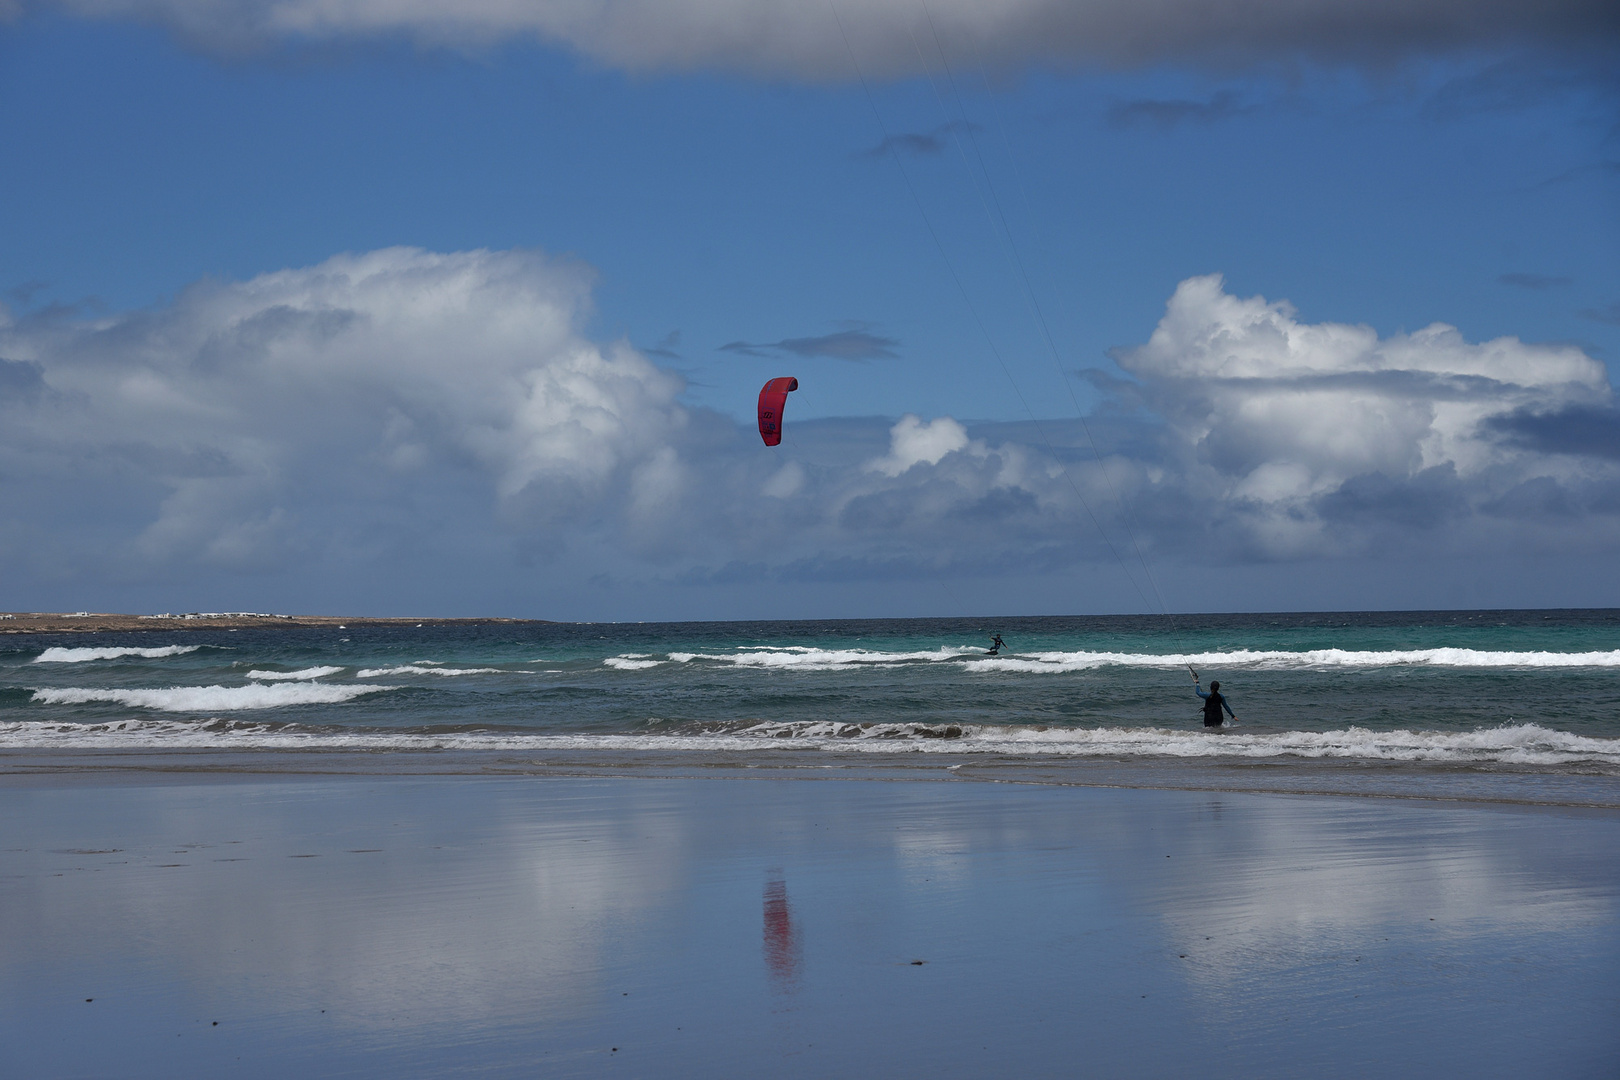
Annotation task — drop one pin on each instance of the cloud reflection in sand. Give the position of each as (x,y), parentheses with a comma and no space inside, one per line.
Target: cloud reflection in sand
(509,920)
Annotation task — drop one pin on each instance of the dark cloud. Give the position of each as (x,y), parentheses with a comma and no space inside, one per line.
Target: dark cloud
(24,294)
(1609,313)
(844,345)
(790,39)
(1582,430)
(251,338)
(1166,114)
(20,379)
(909,142)
(1399,385)
(998,507)
(855,345)
(666,346)
(1536,499)
(1422,501)
(1534,281)
(1520,83)
(1596,168)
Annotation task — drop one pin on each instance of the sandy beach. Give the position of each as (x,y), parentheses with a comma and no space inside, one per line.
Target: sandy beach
(721,923)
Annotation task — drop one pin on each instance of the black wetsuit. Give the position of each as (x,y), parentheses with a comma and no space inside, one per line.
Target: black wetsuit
(1214,702)
(995,646)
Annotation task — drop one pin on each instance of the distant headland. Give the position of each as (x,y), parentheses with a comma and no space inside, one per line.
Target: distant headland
(35,622)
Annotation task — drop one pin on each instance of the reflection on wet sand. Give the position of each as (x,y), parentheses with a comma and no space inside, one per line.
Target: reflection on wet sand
(514,926)
(782,951)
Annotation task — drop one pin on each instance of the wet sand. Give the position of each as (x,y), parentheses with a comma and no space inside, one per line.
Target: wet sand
(243,923)
(1526,785)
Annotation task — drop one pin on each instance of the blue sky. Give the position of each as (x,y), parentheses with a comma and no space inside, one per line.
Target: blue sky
(699,209)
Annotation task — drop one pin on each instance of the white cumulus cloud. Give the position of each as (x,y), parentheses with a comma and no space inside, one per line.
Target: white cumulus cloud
(1294,425)
(366,381)
(912,442)
(411,423)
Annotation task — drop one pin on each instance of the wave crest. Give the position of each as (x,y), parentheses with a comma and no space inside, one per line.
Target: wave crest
(632,662)
(419,669)
(211,698)
(61,655)
(301,675)
(1517,744)
(1513,745)
(972,658)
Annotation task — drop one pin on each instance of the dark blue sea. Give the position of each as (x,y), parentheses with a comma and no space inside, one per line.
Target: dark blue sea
(1485,689)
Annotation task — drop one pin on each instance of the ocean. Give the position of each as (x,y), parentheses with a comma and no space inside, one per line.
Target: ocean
(1535,691)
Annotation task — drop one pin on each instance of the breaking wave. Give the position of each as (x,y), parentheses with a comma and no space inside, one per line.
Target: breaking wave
(1515,744)
(294,676)
(798,657)
(1309,658)
(802,658)
(1518,744)
(420,669)
(61,655)
(212,698)
(632,662)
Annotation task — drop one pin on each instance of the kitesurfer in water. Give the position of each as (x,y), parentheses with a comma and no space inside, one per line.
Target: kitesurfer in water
(1214,702)
(995,645)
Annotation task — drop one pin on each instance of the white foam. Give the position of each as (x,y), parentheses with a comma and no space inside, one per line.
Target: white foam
(1447,657)
(60,655)
(804,658)
(301,675)
(975,659)
(1518,744)
(418,669)
(211,698)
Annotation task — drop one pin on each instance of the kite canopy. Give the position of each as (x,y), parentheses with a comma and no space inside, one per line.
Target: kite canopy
(771,399)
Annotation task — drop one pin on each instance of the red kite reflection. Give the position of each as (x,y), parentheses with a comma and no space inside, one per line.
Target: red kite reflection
(782,952)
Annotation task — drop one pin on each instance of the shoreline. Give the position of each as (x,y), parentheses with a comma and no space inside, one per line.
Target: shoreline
(38,622)
(1527,787)
(24,622)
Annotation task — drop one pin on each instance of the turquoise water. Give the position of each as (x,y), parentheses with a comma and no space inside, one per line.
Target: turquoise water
(1495,688)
